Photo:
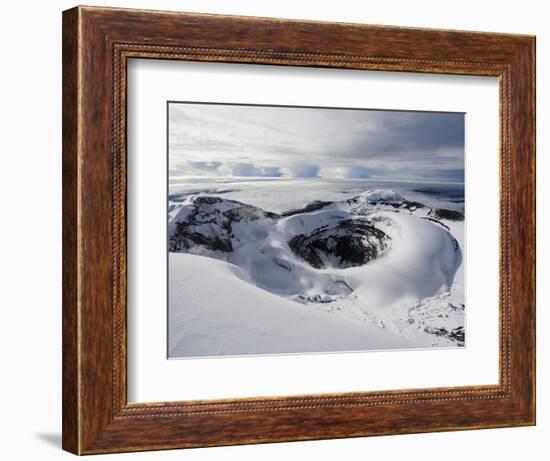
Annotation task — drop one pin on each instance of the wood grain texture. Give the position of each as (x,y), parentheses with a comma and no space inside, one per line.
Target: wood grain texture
(97,43)
(70,384)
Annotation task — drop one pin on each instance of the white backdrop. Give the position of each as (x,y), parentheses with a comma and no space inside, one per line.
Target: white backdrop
(153,378)
(30,243)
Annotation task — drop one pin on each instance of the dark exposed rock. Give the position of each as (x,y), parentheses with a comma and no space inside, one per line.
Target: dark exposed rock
(451,215)
(395,203)
(209,224)
(350,243)
(184,237)
(311,206)
(317,299)
(456,335)
(248,213)
(404,205)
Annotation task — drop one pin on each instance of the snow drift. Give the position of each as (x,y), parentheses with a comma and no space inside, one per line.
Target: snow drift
(214,313)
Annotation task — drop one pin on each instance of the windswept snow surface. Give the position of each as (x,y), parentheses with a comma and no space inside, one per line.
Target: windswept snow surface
(215,312)
(347,271)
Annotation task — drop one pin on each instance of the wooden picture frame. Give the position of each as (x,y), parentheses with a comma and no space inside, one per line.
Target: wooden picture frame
(97,43)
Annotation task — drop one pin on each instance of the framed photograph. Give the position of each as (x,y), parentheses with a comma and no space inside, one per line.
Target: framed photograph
(282,230)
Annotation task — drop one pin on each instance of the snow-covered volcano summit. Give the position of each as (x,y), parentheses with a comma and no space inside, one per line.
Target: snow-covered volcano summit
(376,257)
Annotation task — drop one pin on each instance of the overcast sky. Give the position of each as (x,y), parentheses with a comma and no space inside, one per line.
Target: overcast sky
(245,141)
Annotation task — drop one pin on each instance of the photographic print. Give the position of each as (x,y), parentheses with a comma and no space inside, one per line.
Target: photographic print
(311,229)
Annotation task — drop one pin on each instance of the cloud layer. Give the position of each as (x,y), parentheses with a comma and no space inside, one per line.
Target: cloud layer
(272,141)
